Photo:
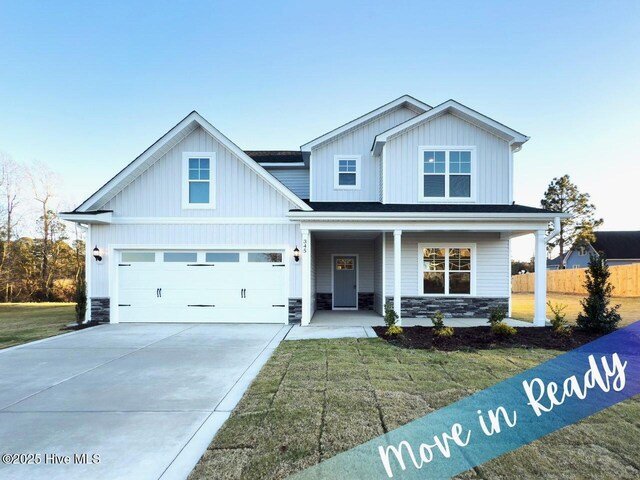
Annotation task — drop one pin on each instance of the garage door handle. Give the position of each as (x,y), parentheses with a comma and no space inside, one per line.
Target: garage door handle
(159,292)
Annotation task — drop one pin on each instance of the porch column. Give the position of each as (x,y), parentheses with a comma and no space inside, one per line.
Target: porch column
(306,278)
(397,273)
(540,307)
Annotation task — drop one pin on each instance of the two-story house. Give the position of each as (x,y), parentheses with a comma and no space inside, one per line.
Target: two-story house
(408,204)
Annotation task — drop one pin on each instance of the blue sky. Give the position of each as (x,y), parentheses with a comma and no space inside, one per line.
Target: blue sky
(86,86)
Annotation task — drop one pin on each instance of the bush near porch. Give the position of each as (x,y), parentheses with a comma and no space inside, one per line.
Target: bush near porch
(522,307)
(317,398)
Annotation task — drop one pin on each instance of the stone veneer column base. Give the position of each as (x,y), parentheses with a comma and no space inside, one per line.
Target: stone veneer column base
(295,310)
(100,309)
(470,307)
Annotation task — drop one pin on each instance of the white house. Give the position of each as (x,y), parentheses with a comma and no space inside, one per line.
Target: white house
(408,204)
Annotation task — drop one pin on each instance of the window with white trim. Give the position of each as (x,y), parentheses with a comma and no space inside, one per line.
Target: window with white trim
(446,270)
(446,173)
(347,172)
(198,179)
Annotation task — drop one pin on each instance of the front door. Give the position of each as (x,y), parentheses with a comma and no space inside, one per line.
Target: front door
(345,282)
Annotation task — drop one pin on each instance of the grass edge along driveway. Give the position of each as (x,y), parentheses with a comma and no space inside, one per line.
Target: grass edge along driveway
(317,398)
(25,322)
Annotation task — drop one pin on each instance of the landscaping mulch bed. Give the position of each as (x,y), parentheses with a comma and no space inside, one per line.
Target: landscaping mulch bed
(481,338)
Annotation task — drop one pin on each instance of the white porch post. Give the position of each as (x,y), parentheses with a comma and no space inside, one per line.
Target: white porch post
(397,273)
(306,278)
(540,308)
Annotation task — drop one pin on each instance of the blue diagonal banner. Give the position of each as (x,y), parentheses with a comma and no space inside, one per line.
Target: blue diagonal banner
(499,419)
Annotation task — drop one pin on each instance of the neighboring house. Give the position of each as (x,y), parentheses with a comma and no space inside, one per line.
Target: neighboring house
(408,204)
(620,248)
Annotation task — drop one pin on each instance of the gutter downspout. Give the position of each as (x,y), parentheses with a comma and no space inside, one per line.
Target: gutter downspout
(556,230)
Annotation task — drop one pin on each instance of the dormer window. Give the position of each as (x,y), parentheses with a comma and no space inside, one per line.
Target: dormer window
(198,180)
(347,172)
(582,250)
(446,174)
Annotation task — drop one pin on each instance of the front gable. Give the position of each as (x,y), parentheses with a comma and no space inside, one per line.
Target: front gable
(154,184)
(238,190)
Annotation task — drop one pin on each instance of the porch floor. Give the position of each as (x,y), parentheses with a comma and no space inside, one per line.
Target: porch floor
(368,318)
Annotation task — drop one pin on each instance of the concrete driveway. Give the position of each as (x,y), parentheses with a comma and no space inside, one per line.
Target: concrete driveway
(146,398)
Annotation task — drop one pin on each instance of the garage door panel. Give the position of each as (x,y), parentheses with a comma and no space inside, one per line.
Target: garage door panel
(229,292)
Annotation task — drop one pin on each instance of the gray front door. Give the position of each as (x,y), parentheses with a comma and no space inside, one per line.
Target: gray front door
(345,289)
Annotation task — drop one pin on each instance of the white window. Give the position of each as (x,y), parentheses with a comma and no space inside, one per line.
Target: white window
(446,269)
(347,172)
(446,173)
(198,180)
(582,251)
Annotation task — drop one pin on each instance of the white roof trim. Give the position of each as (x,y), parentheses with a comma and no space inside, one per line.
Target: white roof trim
(181,130)
(405,99)
(515,138)
(99,218)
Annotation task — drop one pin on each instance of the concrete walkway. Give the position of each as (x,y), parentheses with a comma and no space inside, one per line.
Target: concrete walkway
(146,398)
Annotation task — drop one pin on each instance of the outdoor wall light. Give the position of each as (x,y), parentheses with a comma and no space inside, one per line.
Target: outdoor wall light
(296,254)
(97,254)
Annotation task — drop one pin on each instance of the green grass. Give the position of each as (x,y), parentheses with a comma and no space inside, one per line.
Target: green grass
(316,398)
(25,322)
(522,306)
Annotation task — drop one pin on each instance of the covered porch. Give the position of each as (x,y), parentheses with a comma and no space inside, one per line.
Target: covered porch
(390,265)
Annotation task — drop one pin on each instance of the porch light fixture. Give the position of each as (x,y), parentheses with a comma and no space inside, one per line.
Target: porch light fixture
(296,254)
(97,254)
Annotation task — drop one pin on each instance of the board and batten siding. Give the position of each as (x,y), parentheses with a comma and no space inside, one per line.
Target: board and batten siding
(402,164)
(182,236)
(493,270)
(240,192)
(295,179)
(354,142)
(325,248)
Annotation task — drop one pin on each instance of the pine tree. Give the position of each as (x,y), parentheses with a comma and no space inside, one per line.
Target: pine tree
(597,315)
(564,196)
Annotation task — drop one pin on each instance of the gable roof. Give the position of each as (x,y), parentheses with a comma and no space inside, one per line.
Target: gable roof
(187,125)
(618,244)
(451,106)
(404,101)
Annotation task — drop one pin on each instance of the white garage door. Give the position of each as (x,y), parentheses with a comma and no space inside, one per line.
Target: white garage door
(202,286)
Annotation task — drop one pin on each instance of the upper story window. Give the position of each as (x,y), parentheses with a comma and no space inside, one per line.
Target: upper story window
(446,174)
(347,172)
(582,250)
(198,179)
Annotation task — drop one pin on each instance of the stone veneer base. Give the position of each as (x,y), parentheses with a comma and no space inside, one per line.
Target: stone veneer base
(324,300)
(100,309)
(470,307)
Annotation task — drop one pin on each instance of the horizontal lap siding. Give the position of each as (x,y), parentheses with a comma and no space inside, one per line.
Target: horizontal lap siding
(402,162)
(492,261)
(185,235)
(355,142)
(239,190)
(296,180)
(324,249)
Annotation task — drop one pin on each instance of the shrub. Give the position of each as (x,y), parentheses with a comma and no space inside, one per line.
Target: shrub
(394,330)
(502,329)
(558,321)
(80,297)
(497,315)
(391,318)
(443,332)
(438,320)
(597,315)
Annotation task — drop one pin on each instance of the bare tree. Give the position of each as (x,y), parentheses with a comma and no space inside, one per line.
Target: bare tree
(44,183)
(11,178)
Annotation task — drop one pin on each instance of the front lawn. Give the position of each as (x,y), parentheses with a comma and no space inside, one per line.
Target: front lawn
(316,398)
(522,306)
(25,322)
